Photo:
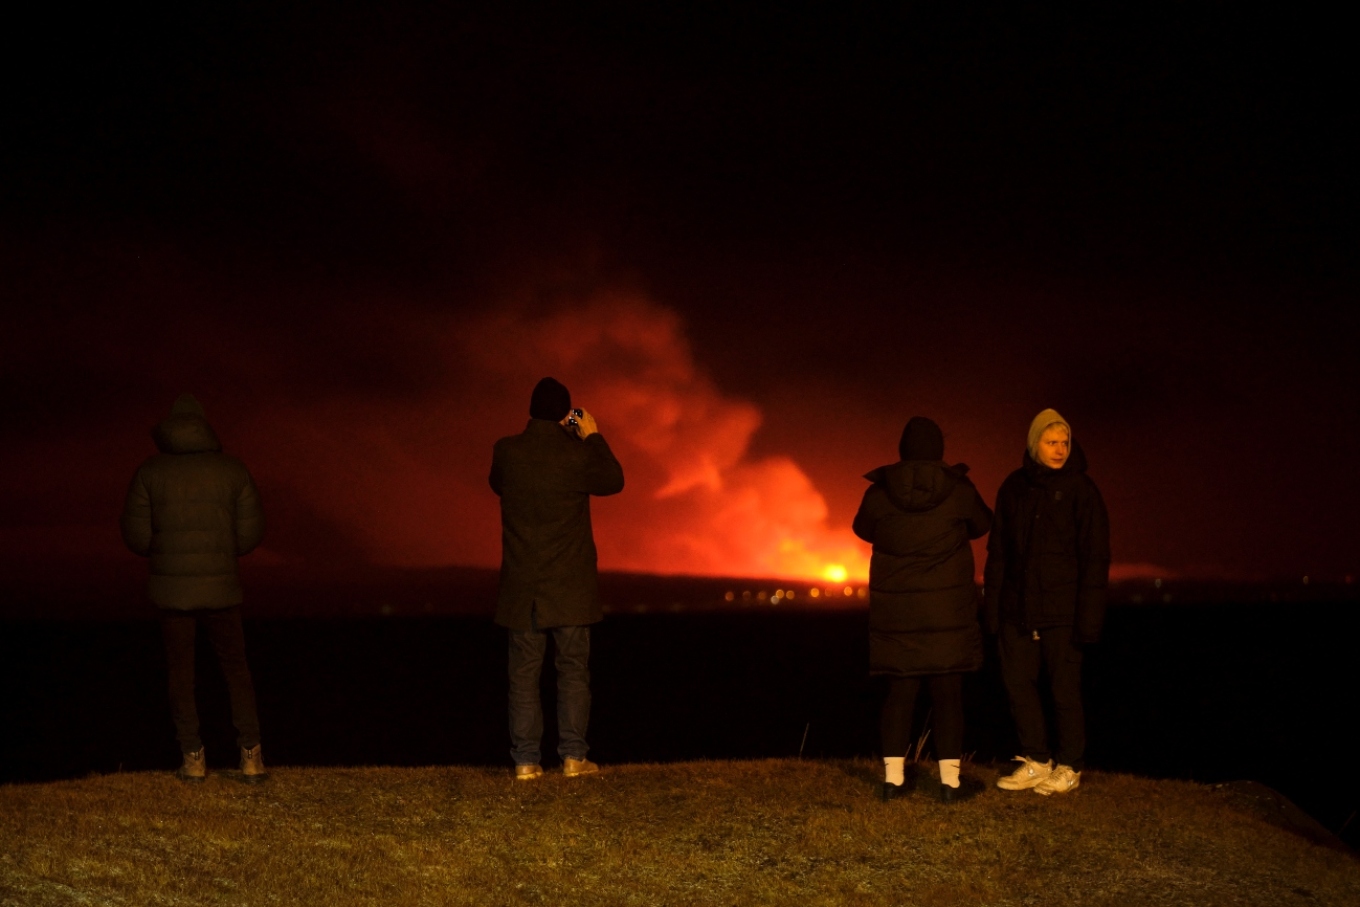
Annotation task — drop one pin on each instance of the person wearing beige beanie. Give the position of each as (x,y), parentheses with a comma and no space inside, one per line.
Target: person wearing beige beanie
(1048,564)
(1046,442)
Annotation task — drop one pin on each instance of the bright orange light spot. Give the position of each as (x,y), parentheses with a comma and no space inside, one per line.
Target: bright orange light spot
(836,573)
(849,591)
(820,559)
(815,592)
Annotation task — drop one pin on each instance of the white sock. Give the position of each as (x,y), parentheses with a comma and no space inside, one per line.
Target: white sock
(894,769)
(949,772)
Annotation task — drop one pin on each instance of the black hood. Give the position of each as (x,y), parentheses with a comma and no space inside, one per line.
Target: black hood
(918,485)
(1075,464)
(185,433)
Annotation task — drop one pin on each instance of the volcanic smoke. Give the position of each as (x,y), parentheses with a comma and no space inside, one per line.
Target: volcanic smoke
(406,478)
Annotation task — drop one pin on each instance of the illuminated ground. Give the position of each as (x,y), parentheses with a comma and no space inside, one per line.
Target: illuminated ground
(765,832)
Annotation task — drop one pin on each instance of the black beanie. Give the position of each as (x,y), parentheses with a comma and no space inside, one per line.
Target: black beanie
(551,401)
(921,440)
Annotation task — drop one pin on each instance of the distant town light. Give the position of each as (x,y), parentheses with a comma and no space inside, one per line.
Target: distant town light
(863,591)
(730,596)
(849,591)
(789,594)
(814,592)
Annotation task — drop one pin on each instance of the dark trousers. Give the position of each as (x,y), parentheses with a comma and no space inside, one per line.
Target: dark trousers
(899,708)
(1023,659)
(527,648)
(223,626)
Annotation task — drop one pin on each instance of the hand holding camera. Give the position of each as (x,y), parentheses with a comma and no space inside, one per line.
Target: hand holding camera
(582,422)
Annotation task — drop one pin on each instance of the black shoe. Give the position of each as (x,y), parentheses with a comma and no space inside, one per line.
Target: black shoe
(968,789)
(890,791)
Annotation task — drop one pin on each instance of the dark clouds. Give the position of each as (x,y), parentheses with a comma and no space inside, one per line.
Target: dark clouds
(843,219)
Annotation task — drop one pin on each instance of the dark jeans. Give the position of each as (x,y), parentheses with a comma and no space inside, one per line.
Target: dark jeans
(223,626)
(527,648)
(946,699)
(1022,659)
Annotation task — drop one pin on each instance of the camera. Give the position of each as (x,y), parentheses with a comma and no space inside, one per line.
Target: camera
(573,416)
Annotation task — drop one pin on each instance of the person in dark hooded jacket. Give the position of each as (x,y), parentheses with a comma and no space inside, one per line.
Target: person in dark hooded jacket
(545,477)
(920,514)
(193,510)
(1048,564)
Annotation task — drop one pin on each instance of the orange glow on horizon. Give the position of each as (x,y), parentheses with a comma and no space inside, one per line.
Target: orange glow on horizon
(835,573)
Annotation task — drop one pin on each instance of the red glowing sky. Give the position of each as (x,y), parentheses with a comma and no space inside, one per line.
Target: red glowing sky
(753,265)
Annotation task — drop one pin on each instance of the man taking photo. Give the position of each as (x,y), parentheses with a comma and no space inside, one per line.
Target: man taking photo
(545,476)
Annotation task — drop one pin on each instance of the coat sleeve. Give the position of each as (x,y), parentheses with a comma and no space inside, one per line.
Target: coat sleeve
(497,477)
(603,474)
(866,518)
(979,519)
(994,573)
(249,518)
(1093,557)
(136,522)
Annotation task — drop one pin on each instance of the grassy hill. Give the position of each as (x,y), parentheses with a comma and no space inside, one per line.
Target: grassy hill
(697,833)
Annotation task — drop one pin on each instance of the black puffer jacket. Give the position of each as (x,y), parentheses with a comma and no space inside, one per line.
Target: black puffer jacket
(1048,559)
(193,510)
(923,602)
(545,477)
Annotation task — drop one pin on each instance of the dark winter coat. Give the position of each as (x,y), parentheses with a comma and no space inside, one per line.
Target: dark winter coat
(545,477)
(1048,559)
(923,601)
(193,511)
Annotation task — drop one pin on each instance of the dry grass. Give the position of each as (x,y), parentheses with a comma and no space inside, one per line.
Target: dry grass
(770,832)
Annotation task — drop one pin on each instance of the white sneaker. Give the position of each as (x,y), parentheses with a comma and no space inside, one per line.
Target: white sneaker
(1029,774)
(1062,780)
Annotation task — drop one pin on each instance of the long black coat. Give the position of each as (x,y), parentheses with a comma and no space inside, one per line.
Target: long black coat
(1048,559)
(923,602)
(192,510)
(545,477)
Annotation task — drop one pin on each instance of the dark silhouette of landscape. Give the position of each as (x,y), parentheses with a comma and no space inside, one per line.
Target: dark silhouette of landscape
(1209,682)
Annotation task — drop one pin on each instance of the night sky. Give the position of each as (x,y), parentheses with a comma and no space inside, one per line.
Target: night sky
(752,239)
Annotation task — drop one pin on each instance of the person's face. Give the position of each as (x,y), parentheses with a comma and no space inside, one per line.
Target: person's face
(1054,445)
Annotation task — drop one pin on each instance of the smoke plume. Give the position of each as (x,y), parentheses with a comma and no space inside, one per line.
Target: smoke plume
(405,476)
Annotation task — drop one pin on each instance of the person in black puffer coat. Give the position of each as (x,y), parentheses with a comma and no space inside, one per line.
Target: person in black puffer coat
(1048,564)
(919,515)
(193,511)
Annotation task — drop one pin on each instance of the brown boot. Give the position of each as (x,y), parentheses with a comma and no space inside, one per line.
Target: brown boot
(195,767)
(252,765)
(574,768)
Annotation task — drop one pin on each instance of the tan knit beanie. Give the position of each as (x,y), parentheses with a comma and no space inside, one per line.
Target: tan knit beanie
(1045,419)
(187,405)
